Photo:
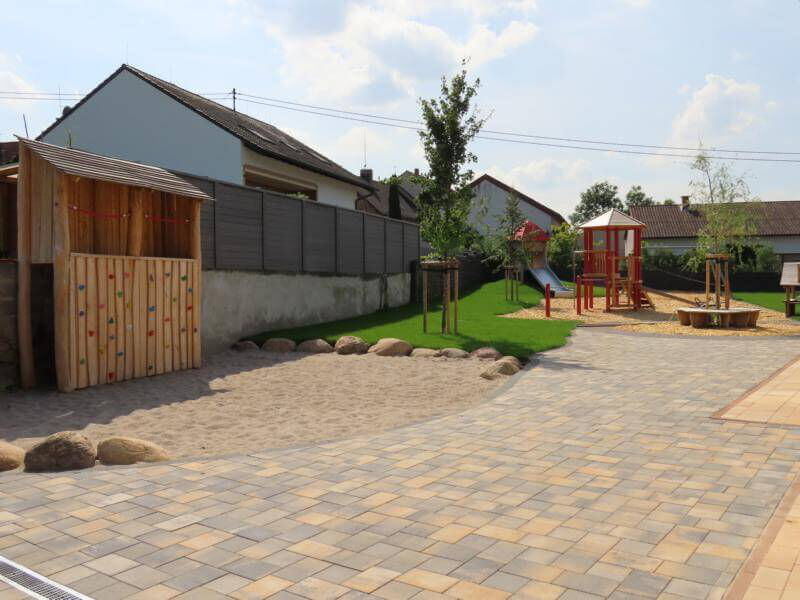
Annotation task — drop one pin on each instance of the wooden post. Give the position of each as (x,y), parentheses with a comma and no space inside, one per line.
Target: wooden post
(547,300)
(425,300)
(197,281)
(727,287)
(24,329)
(578,298)
(445,300)
(708,281)
(61,291)
(716,282)
(455,292)
(505,277)
(136,223)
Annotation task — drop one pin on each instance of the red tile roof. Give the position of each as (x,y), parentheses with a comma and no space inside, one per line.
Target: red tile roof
(675,221)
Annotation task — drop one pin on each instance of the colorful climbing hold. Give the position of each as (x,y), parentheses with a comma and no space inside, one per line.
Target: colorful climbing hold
(111,374)
(111,276)
(120,353)
(189,290)
(81,313)
(101,306)
(127,305)
(111,321)
(174,299)
(184,277)
(112,337)
(151,333)
(82,361)
(119,294)
(91,333)
(151,308)
(101,350)
(81,287)
(128,326)
(151,278)
(149,367)
(167,274)
(189,307)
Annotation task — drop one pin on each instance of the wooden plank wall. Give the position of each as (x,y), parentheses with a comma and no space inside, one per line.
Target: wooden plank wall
(131,317)
(100,215)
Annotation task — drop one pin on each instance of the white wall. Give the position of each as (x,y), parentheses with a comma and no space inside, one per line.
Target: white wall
(329,190)
(789,244)
(128,118)
(237,304)
(495,201)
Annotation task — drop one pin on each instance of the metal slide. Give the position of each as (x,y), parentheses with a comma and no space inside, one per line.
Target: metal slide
(544,275)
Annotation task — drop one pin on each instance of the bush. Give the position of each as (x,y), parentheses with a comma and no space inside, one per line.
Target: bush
(561,247)
(766,260)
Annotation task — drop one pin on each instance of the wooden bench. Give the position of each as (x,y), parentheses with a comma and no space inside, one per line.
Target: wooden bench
(790,279)
(726,317)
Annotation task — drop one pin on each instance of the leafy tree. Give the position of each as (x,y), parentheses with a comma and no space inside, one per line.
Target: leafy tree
(722,197)
(561,247)
(596,200)
(766,260)
(446,198)
(668,202)
(500,247)
(636,197)
(394,198)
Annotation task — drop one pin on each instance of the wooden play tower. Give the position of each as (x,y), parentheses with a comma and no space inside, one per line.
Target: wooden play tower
(612,257)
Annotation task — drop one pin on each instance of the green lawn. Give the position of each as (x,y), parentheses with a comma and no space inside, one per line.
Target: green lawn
(773,300)
(479,325)
(599,290)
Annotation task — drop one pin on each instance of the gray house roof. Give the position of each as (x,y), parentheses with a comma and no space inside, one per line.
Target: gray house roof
(261,137)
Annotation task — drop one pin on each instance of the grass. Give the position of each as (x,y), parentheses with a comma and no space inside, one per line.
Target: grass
(772,300)
(479,325)
(598,292)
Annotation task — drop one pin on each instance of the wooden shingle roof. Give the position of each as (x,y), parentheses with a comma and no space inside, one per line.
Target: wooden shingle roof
(114,170)
(676,221)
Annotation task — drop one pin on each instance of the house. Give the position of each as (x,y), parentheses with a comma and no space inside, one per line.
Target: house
(376,202)
(493,193)
(139,117)
(675,227)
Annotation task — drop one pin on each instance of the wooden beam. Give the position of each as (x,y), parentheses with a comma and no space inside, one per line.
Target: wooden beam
(61,290)
(196,301)
(136,223)
(24,329)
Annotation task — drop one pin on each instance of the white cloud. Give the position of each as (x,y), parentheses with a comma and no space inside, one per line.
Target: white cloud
(636,3)
(379,52)
(12,82)
(542,173)
(717,112)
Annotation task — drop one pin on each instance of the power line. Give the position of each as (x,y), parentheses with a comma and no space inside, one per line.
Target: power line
(527,142)
(524,135)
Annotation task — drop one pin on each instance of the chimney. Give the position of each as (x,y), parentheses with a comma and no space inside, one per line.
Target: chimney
(366,174)
(684,202)
(416,172)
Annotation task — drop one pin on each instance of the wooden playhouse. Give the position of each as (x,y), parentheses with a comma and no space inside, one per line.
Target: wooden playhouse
(123,240)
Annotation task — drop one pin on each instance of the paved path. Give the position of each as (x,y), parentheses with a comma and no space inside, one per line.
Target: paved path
(598,474)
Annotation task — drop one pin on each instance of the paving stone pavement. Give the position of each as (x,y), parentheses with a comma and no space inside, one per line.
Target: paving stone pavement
(598,474)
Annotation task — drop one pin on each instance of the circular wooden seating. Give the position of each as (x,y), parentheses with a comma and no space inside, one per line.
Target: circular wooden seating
(723,317)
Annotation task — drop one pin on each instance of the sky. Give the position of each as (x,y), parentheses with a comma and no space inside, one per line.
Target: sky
(658,72)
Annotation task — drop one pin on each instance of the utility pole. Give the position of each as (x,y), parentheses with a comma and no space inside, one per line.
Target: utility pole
(234,99)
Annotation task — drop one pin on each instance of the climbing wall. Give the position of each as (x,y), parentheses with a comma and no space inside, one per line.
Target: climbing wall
(132,317)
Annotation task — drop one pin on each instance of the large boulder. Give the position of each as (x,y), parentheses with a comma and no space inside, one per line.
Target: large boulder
(426,352)
(351,344)
(11,457)
(314,346)
(245,346)
(454,353)
(508,365)
(279,345)
(63,451)
(486,353)
(127,451)
(391,347)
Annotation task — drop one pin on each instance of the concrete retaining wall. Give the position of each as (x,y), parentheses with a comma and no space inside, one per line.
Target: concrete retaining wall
(239,303)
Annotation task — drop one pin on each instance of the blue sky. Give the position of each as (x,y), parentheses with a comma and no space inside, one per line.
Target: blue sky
(663,72)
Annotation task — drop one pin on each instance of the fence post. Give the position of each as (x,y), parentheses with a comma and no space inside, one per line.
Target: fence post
(547,300)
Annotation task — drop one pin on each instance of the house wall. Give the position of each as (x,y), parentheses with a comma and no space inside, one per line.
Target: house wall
(329,190)
(128,118)
(495,199)
(783,245)
(239,303)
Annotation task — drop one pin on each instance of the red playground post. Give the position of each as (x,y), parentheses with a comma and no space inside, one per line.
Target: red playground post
(547,300)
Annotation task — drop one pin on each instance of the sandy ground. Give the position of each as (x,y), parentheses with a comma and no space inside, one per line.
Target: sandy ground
(663,318)
(250,401)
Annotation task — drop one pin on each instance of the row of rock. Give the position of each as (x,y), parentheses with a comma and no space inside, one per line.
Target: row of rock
(69,450)
(350,344)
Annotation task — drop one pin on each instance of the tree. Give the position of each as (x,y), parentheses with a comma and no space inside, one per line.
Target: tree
(596,200)
(561,247)
(446,198)
(668,202)
(722,197)
(500,246)
(636,197)
(394,197)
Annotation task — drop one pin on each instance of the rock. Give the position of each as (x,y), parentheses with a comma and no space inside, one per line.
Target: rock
(454,353)
(391,347)
(11,457)
(245,346)
(279,345)
(508,365)
(426,352)
(61,451)
(314,346)
(127,451)
(486,353)
(350,344)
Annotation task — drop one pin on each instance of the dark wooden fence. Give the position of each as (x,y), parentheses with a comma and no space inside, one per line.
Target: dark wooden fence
(253,230)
